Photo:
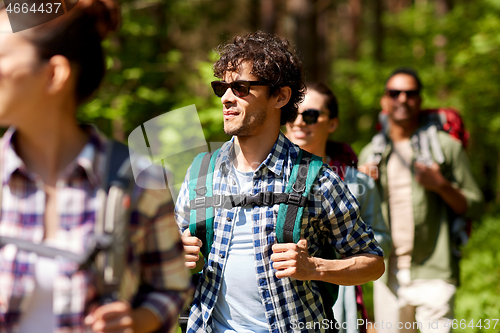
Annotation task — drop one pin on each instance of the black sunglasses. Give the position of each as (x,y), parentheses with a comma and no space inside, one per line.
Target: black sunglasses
(240,88)
(310,116)
(409,93)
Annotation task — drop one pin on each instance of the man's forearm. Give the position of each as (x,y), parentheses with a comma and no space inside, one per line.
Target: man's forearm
(354,270)
(144,320)
(453,197)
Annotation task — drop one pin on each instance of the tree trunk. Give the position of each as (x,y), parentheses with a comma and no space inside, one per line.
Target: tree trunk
(443,7)
(254,17)
(378,30)
(355,17)
(306,36)
(268,15)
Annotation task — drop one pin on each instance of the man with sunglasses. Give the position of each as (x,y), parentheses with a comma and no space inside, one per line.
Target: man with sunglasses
(420,200)
(250,283)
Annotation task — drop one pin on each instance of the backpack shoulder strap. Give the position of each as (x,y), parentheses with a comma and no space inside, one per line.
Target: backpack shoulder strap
(117,163)
(379,142)
(304,173)
(200,185)
(113,221)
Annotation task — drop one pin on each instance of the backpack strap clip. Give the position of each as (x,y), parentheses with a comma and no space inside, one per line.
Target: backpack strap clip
(217,200)
(294,199)
(199,203)
(252,199)
(268,199)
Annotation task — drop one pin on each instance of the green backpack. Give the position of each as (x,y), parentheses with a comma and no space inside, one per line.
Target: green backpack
(292,203)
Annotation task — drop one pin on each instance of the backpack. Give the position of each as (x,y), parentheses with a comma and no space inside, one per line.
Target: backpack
(109,247)
(425,141)
(344,157)
(292,203)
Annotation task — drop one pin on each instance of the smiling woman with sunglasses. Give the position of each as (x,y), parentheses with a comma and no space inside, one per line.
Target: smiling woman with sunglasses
(316,120)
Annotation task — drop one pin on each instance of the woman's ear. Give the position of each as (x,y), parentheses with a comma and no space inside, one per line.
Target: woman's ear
(60,71)
(333,124)
(283,96)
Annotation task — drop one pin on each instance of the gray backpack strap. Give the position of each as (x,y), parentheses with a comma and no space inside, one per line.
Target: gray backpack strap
(379,142)
(113,220)
(425,149)
(425,144)
(435,145)
(383,120)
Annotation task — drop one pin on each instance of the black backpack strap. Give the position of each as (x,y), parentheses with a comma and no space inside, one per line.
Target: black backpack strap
(298,189)
(304,172)
(117,161)
(202,200)
(201,191)
(247,200)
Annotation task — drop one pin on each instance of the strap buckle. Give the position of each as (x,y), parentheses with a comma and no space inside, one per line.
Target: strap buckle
(201,190)
(294,199)
(301,189)
(217,201)
(252,199)
(268,199)
(199,202)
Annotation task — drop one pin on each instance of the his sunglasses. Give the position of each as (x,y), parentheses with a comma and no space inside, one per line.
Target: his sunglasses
(240,88)
(409,93)
(310,116)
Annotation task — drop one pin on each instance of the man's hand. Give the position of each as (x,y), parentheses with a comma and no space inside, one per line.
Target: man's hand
(293,260)
(370,169)
(429,177)
(119,317)
(432,180)
(192,247)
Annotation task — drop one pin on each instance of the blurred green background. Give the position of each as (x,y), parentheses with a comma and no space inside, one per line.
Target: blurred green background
(161,60)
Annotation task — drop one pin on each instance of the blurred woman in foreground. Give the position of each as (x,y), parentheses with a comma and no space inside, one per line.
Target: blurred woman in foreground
(51,172)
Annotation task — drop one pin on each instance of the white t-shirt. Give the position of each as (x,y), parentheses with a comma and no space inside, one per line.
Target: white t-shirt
(239,307)
(39,315)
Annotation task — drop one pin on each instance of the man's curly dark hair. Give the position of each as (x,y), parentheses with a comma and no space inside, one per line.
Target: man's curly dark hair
(274,63)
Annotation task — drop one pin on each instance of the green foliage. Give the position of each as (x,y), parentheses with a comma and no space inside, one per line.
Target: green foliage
(479,294)
(456,56)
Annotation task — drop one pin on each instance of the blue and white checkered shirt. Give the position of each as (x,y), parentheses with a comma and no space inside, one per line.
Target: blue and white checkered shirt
(332,215)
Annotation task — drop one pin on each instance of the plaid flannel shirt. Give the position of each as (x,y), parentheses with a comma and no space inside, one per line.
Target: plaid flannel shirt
(332,216)
(156,275)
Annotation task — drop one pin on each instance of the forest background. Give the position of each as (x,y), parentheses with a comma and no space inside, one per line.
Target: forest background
(161,60)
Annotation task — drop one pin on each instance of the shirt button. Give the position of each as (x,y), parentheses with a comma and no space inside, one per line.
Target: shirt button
(221,255)
(233,182)
(229,219)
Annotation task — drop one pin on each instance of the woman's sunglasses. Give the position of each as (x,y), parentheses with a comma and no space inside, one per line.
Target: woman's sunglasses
(310,116)
(240,88)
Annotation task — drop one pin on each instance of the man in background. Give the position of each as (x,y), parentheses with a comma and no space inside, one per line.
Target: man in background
(420,199)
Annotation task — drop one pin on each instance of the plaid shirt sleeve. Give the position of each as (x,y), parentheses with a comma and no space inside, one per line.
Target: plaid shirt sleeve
(165,279)
(338,211)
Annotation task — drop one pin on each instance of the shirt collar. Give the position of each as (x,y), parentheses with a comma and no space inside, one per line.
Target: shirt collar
(88,159)
(275,161)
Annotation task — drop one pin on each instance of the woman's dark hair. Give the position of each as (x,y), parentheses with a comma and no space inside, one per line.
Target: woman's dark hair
(77,35)
(273,62)
(331,100)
